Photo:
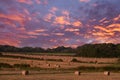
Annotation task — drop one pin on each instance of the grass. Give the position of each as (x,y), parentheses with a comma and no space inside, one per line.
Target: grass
(30,58)
(51,54)
(21,65)
(89,71)
(102,68)
(37,65)
(114,68)
(59,76)
(74,60)
(58,60)
(78,61)
(5,65)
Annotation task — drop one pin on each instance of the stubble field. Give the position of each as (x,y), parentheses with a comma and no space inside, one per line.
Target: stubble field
(50,72)
(12,75)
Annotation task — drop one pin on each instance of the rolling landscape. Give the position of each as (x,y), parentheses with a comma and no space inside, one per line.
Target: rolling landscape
(59,40)
(46,65)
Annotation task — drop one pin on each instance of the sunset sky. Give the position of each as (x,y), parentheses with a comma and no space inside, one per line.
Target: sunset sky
(52,23)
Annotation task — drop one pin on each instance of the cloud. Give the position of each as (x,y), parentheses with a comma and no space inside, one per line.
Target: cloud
(19,18)
(71,30)
(61,20)
(117,18)
(84,0)
(59,34)
(107,33)
(38,1)
(77,24)
(26,1)
(53,10)
(51,23)
(48,17)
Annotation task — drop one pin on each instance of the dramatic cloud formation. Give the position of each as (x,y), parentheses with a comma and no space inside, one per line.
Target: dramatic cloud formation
(52,23)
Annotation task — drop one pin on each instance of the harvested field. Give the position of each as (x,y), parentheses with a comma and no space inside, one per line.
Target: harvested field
(43,64)
(65,58)
(11,75)
(47,70)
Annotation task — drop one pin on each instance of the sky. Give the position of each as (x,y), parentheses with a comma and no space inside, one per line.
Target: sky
(52,23)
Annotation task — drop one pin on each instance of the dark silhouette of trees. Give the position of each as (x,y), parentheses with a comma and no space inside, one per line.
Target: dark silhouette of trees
(87,50)
(7,48)
(61,49)
(99,50)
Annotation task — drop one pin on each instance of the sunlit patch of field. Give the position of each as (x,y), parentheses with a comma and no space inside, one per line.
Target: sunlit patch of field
(43,75)
(47,69)
(63,64)
(44,61)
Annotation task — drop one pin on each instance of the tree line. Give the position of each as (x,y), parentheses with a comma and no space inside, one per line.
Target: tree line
(99,50)
(60,49)
(87,50)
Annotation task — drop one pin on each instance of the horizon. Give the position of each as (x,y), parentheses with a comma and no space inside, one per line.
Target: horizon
(60,46)
(54,23)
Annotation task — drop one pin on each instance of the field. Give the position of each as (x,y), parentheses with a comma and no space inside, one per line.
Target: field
(11,75)
(45,67)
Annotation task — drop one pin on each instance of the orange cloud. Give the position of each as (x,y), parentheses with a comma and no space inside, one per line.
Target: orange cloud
(40,30)
(61,20)
(36,32)
(65,12)
(33,33)
(19,18)
(48,17)
(102,20)
(9,42)
(53,10)
(71,30)
(26,11)
(14,39)
(117,18)
(38,1)
(9,39)
(106,34)
(66,39)
(101,28)
(84,0)
(26,1)
(10,24)
(76,33)
(53,40)
(77,24)
(101,34)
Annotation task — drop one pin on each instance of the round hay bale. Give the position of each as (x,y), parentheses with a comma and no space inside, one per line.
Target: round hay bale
(48,65)
(57,66)
(77,72)
(96,62)
(25,72)
(107,73)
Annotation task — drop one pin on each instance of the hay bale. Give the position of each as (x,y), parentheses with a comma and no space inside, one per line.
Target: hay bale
(96,62)
(77,72)
(107,73)
(48,65)
(25,72)
(57,66)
